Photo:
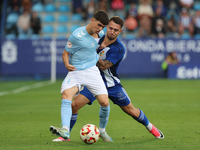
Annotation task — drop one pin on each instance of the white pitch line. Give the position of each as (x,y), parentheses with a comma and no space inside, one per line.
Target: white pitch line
(25,88)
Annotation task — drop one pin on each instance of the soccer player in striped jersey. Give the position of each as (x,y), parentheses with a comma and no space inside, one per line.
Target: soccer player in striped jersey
(111,52)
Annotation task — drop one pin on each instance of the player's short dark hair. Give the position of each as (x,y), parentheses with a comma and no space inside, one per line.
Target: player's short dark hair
(117,20)
(101,16)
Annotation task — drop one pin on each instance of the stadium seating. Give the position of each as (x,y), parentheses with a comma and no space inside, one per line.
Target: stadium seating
(185,36)
(50,8)
(38,7)
(36,1)
(49,18)
(62,29)
(34,36)
(12,18)
(59,12)
(47,29)
(74,27)
(63,18)
(61,37)
(10,36)
(62,0)
(63,8)
(76,17)
(171,35)
(65,0)
(47,37)
(197,36)
(87,1)
(22,36)
(197,6)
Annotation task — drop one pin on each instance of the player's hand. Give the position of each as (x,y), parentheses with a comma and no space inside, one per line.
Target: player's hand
(70,67)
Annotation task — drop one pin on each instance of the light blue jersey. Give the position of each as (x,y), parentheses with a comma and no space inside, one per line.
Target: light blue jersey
(82,47)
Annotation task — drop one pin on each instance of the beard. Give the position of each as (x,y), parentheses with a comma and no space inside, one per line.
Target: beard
(110,38)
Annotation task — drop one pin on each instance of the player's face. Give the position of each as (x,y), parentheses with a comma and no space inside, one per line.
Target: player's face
(113,30)
(98,26)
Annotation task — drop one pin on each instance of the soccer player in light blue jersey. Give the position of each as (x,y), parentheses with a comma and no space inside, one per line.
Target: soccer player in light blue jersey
(111,52)
(80,59)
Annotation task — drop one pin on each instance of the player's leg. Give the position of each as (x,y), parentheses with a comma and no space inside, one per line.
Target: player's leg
(66,113)
(97,87)
(119,96)
(104,116)
(78,102)
(139,116)
(83,98)
(104,113)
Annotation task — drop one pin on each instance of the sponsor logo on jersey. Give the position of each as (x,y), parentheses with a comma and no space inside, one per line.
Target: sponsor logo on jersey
(101,53)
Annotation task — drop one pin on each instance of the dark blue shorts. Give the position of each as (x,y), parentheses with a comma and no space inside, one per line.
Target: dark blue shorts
(116,94)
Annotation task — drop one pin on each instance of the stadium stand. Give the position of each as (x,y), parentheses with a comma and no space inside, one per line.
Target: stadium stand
(60,13)
(49,18)
(50,8)
(10,36)
(61,29)
(38,7)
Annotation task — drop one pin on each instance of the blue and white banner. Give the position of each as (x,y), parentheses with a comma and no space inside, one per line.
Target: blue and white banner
(143,56)
(184,71)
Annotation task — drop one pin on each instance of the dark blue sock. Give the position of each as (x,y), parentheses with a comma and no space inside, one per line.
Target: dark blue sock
(73,120)
(142,118)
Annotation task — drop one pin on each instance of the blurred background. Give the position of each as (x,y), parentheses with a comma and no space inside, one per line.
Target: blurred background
(161,37)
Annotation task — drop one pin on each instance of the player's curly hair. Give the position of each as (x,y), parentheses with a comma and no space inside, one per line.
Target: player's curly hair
(117,20)
(101,16)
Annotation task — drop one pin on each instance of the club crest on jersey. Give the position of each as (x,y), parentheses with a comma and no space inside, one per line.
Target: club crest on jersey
(69,44)
(101,53)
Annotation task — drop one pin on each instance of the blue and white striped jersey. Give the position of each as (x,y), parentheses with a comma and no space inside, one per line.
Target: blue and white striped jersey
(113,53)
(82,48)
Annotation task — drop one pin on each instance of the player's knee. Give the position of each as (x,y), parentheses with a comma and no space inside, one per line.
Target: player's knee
(65,95)
(103,100)
(104,103)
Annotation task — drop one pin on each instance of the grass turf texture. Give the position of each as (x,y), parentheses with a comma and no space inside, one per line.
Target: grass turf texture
(173,106)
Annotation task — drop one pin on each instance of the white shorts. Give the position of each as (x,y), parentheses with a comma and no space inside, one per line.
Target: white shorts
(90,78)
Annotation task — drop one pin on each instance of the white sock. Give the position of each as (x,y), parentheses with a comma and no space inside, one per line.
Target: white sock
(149,126)
(65,127)
(101,129)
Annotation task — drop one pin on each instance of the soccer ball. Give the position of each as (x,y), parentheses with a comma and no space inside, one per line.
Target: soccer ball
(89,134)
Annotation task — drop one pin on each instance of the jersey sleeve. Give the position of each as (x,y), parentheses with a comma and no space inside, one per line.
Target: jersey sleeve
(73,44)
(115,54)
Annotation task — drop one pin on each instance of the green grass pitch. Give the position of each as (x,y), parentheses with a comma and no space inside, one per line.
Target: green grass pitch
(173,106)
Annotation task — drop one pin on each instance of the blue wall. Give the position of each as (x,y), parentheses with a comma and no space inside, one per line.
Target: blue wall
(143,57)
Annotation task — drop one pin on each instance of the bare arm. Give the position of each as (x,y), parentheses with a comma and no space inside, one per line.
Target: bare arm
(65,57)
(104,64)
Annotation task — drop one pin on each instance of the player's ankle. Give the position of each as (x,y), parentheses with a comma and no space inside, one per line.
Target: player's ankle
(102,129)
